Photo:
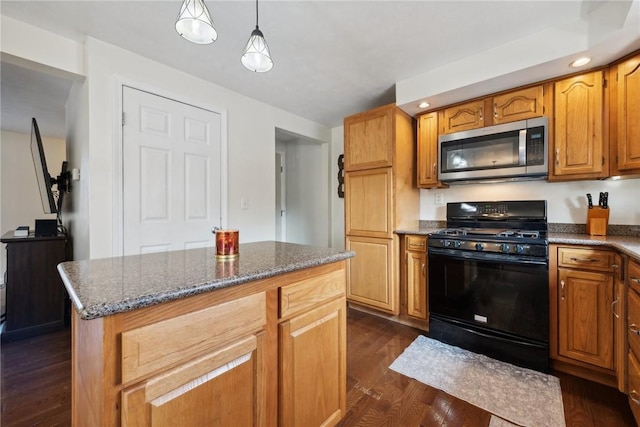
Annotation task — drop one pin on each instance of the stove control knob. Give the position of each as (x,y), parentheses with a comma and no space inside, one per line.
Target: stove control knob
(457,243)
(519,249)
(505,248)
(479,246)
(446,243)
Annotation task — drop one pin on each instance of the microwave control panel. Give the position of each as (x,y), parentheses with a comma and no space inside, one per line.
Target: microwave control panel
(535,146)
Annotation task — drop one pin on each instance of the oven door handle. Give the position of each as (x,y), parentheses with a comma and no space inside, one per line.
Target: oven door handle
(487,257)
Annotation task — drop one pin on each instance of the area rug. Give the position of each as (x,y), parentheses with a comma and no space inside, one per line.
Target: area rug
(520,396)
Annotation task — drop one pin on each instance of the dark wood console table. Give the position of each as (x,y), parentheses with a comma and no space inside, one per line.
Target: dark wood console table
(36,301)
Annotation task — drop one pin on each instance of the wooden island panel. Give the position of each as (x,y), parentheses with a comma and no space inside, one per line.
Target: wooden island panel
(237,358)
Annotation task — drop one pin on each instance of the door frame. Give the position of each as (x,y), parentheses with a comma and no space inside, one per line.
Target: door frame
(283,195)
(118,167)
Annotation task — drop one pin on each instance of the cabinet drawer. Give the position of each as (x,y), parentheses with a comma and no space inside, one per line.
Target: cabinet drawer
(150,348)
(302,295)
(634,386)
(586,259)
(634,275)
(416,243)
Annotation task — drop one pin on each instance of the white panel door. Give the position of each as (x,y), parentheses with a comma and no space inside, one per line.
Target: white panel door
(172,174)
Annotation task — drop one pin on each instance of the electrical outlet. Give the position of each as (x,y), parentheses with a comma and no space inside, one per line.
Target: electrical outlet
(439,199)
(244,203)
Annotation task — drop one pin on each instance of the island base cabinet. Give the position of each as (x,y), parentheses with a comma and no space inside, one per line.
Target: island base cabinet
(230,377)
(309,380)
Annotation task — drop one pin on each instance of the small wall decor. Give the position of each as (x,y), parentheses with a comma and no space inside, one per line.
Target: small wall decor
(341,176)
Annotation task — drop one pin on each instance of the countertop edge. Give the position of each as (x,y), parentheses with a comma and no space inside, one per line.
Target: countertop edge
(110,308)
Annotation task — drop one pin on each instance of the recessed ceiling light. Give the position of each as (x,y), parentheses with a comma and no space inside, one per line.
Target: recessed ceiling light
(580,62)
(423,104)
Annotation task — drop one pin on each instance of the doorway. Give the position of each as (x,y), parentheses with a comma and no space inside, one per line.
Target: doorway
(302,189)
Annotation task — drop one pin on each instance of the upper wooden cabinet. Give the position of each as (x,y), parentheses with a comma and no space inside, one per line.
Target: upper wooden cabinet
(518,105)
(506,107)
(625,113)
(428,150)
(579,143)
(368,139)
(461,117)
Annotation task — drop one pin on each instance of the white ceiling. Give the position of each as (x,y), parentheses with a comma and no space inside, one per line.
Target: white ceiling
(332,58)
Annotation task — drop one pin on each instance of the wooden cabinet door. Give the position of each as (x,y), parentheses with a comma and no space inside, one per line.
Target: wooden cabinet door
(224,388)
(579,144)
(585,319)
(518,105)
(428,150)
(634,386)
(371,275)
(619,309)
(417,284)
(627,111)
(368,203)
(313,367)
(368,139)
(463,117)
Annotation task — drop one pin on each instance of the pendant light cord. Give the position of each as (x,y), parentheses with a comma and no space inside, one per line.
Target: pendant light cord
(256,13)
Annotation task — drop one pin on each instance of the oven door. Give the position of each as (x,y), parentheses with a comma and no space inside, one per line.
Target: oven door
(490,291)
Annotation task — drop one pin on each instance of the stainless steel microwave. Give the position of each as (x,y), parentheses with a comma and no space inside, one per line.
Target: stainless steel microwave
(510,151)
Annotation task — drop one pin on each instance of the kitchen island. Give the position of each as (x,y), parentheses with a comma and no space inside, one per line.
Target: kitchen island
(181,338)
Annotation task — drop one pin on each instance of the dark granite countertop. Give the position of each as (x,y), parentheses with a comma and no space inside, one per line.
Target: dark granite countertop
(103,287)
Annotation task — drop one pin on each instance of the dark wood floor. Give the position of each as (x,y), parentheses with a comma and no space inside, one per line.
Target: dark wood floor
(35,385)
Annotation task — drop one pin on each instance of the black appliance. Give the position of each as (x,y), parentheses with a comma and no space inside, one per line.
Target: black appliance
(489,281)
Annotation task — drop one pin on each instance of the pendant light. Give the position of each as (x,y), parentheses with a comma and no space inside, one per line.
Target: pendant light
(256,54)
(194,23)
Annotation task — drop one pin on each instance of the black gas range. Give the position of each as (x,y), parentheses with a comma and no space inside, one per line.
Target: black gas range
(488,280)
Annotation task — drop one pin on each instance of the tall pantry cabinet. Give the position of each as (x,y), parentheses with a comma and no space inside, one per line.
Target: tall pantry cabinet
(380,197)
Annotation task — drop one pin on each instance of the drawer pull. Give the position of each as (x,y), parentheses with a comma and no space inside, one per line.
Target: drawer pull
(574,259)
(424,269)
(635,279)
(613,310)
(635,397)
(562,289)
(634,328)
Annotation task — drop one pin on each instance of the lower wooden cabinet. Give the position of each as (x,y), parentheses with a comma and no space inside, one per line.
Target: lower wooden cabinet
(310,381)
(634,386)
(585,317)
(583,339)
(266,353)
(224,387)
(416,276)
(372,273)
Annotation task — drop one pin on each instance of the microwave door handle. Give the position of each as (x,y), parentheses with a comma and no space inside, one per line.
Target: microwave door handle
(522,148)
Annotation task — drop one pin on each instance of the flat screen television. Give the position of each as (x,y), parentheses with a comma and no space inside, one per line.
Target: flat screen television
(42,173)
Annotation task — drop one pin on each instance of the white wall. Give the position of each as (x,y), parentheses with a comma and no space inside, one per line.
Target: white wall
(20,202)
(337,203)
(566,201)
(251,136)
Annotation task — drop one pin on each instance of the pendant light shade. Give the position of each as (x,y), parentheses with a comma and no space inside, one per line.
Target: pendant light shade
(256,55)
(194,23)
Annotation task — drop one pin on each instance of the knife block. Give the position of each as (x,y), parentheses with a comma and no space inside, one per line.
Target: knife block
(597,221)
